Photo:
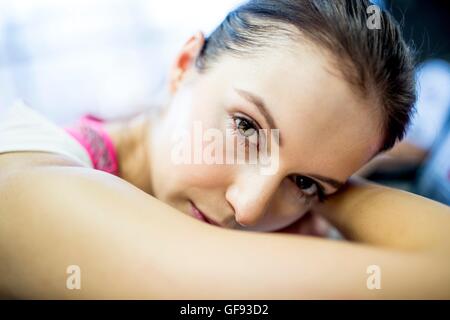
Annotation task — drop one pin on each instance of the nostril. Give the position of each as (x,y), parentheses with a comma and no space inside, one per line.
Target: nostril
(244,220)
(241,224)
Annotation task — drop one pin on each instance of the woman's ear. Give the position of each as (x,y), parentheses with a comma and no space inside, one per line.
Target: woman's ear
(185,60)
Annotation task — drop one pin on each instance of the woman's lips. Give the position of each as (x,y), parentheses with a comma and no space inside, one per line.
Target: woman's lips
(200,215)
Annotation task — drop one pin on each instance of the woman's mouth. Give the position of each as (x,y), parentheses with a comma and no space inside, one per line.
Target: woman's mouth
(200,215)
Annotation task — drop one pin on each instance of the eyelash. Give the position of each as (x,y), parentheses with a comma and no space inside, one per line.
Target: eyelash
(320,194)
(235,130)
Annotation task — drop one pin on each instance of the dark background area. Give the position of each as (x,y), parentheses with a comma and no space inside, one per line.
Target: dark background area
(426,23)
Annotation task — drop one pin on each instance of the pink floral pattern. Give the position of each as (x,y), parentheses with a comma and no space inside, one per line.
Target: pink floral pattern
(89,132)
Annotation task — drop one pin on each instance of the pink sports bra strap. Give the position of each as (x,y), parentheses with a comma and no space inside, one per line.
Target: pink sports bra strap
(89,132)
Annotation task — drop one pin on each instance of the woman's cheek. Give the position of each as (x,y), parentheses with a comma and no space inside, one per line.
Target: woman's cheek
(210,146)
(204,175)
(288,204)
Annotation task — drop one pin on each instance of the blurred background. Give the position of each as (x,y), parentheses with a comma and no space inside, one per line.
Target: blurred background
(66,58)
(109,57)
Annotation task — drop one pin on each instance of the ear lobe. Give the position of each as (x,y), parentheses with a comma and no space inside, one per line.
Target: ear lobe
(185,59)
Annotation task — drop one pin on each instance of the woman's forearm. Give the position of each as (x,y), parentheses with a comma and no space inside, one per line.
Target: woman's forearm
(129,245)
(374,214)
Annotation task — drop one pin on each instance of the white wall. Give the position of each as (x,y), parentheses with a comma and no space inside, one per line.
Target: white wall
(109,57)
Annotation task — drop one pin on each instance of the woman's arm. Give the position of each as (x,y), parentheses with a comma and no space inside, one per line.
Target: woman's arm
(378,215)
(130,245)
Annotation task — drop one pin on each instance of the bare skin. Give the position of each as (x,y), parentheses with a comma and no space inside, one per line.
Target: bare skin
(133,236)
(312,126)
(130,245)
(131,139)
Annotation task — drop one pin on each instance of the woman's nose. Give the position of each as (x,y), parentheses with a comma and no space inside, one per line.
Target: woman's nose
(250,196)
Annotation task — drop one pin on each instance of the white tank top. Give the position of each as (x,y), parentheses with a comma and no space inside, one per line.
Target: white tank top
(24,129)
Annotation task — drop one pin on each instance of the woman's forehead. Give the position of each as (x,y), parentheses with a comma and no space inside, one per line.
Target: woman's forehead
(291,78)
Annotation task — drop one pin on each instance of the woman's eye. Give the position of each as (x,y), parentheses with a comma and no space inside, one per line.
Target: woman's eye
(247,131)
(307,185)
(245,127)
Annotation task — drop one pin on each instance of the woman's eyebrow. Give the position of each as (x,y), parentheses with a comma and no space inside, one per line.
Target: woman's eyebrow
(259,103)
(330,181)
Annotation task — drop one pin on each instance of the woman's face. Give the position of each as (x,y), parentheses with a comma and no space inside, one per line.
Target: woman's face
(326,133)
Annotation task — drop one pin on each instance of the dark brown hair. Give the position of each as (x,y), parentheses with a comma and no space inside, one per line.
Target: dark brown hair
(377,62)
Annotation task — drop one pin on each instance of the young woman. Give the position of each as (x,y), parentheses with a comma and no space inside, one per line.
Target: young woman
(338,92)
